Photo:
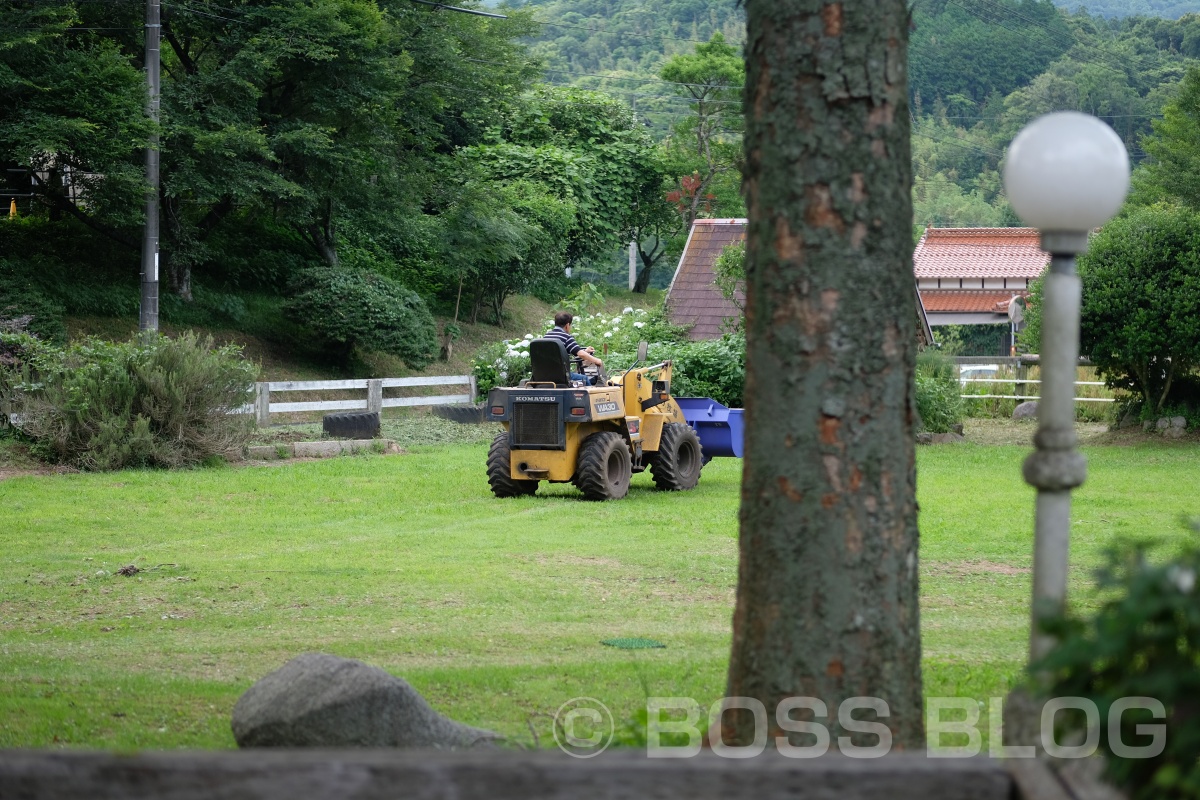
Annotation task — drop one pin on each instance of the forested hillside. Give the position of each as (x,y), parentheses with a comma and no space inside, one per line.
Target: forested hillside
(978,69)
(1170,9)
(402,158)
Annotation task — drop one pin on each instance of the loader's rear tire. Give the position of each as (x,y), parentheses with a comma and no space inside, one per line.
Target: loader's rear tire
(499,471)
(677,464)
(604,467)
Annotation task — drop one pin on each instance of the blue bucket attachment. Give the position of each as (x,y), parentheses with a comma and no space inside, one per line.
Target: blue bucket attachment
(719,428)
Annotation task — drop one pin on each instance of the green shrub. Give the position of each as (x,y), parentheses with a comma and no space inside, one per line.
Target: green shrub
(1144,641)
(150,402)
(1140,315)
(713,368)
(729,271)
(356,309)
(937,389)
(23,308)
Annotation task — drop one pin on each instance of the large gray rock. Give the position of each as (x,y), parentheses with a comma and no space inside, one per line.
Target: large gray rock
(1026,410)
(319,700)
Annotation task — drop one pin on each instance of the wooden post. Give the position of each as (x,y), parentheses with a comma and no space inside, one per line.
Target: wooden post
(262,404)
(474,389)
(375,394)
(1022,374)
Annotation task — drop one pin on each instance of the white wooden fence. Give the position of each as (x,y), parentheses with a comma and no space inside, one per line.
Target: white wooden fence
(263,408)
(1021,383)
(1020,366)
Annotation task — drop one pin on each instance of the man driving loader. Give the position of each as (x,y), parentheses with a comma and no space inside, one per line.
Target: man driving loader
(562,332)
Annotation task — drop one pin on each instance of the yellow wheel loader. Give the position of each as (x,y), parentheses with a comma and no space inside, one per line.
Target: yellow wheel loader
(594,436)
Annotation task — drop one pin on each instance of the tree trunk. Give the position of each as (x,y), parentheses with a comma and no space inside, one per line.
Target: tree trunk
(827,578)
(642,282)
(322,242)
(179,278)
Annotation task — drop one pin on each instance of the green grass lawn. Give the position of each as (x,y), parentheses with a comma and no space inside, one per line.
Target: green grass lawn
(493,609)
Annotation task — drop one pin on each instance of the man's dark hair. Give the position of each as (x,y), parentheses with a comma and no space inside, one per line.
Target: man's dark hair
(563,318)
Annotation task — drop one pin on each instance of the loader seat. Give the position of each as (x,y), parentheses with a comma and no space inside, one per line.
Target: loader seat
(549,361)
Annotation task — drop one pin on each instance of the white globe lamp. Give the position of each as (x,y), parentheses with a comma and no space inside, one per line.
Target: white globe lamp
(1066,174)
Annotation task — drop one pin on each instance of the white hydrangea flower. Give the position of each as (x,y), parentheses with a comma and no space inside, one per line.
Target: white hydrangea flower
(608,334)
(523,343)
(528,336)
(1184,579)
(503,375)
(627,310)
(639,324)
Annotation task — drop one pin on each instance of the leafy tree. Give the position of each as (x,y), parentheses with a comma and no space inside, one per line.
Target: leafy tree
(324,115)
(504,237)
(1175,144)
(583,148)
(71,115)
(1140,320)
(707,143)
(321,120)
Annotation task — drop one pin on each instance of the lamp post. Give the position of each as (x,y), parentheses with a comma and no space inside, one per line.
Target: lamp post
(1066,174)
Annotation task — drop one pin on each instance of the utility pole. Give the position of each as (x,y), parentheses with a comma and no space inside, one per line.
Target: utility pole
(148,315)
(632,264)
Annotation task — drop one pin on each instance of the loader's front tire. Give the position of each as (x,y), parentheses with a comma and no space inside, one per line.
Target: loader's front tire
(499,471)
(604,467)
(677,464)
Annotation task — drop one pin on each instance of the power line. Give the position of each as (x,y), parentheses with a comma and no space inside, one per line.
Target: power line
(445,7)
(734,43)
(189,10)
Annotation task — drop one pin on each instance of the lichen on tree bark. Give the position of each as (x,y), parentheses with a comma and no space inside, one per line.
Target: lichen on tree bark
(827,585)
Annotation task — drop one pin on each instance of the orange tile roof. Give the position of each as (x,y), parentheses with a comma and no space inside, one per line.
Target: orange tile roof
(979,253)
(973,301)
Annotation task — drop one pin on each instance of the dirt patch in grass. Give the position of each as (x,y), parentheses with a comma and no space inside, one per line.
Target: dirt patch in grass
(587,561)
(1020,432)
(24,470)
(974,568)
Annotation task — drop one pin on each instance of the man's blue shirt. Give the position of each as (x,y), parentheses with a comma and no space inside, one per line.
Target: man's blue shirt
(573,347)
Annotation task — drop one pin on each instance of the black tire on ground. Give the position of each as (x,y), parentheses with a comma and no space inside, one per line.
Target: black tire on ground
(352,424)
(499,471)
(604,467)
(677,464)
(466,415)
